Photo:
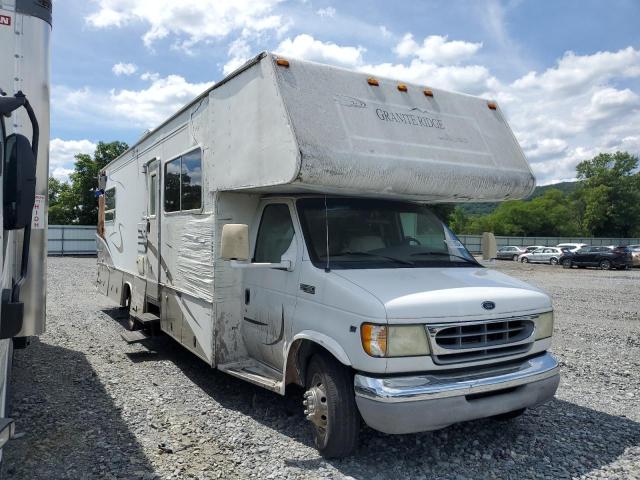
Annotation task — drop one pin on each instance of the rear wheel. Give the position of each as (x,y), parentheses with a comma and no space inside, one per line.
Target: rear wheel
(553,261)
(566,263)
(524,260)
(515,258)
(330,405)
(605,264)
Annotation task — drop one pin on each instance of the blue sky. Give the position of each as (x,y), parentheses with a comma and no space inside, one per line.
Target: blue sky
(567,74)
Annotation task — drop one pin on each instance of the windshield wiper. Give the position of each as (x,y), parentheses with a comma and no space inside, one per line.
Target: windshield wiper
(370,254)
(443,254)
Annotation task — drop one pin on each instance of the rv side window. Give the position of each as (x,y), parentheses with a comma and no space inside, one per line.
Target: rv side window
(172,186)
(153,188)
(191,181)
(183,183)
(110,204)
(274,235)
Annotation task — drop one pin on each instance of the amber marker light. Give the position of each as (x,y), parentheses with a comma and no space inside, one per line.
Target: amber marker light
(428,92)
(402,87)
(492,105)
(374,339)
(372,81)
(282,62)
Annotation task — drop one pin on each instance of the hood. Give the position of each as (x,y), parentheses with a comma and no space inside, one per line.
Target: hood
(447,293)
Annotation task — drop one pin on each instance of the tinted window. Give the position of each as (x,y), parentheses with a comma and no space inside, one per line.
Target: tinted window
(110,204)
(275,234)
(153,189)
(172,186)
(191,181)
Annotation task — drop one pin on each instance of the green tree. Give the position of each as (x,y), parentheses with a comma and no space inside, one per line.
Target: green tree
(84,179)
(609,195)
(60,203)
(76,203)
(459,220)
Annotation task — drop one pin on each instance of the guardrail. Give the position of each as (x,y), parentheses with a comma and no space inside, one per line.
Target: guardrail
(71,240)
(473,242)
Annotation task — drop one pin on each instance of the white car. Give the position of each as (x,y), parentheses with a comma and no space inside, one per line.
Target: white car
(542,255)
(572,247)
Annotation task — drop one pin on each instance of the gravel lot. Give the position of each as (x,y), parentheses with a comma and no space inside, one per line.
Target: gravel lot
(89,406)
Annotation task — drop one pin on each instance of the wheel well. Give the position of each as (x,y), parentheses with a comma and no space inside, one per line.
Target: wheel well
(300,353)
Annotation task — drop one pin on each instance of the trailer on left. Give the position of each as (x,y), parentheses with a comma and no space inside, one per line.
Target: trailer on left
(25,30)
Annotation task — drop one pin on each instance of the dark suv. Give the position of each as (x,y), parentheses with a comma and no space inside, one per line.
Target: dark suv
(605,258)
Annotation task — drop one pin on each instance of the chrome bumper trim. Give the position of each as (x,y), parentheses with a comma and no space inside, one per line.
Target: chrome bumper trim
(436,386)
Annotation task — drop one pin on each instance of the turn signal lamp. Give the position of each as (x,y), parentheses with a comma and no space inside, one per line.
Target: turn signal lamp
(374,339)
(428,92)
(492,105)
(372,81)
(402,87)
(394,340)
(282,62)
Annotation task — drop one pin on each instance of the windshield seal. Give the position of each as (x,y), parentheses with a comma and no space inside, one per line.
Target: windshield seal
(394,256)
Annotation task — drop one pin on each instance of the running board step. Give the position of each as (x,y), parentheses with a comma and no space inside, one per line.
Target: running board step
(256,373)
(134,336)
(148,319)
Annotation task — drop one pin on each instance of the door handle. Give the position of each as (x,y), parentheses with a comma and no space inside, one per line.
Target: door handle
(247,296)
(148,225)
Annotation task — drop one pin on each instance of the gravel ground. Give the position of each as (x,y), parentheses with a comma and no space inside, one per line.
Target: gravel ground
(89,406)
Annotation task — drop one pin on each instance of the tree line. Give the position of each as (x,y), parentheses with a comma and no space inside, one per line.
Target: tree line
(605,203)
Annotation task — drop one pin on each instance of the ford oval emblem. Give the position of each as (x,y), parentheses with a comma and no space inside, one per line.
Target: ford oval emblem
(488,305)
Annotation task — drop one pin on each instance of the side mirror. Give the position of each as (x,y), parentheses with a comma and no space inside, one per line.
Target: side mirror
(235,242)
(19,182)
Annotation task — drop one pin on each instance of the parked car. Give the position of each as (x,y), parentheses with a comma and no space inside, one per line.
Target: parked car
(574,247)
(635,255)
(509,253)
(542,255)
(605,258)
(533,248)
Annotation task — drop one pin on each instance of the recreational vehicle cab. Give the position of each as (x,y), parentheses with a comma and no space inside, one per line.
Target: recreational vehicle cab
(276,227)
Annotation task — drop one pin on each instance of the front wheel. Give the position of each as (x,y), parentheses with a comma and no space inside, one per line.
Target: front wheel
(553,261)
(330,405)
(515,258)
(566,263)
(524,260)
(605,265)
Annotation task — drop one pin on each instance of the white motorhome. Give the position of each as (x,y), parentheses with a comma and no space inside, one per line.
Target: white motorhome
(276,228)
(25,29)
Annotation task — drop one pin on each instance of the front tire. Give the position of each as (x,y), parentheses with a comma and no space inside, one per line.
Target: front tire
(605,265)
(524,260)
(553,261)
(566,263)
(515,258)
(331,407)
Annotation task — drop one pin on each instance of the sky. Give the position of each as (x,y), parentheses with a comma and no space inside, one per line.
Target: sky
(566,74)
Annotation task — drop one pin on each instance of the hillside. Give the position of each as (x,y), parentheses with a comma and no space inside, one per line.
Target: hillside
(486,208)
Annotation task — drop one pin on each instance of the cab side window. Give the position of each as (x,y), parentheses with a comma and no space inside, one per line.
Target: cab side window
(274,235)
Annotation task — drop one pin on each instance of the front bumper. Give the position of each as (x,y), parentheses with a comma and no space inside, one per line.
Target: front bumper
(433,401)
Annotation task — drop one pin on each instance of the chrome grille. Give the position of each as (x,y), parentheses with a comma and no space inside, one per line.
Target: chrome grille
(471,341)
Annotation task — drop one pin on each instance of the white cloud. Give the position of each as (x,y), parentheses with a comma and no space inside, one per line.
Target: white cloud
(239,53)
(306,47)
(143,109)
(328,12)
(124,69)
(189,21)
(436,49)
(62,153)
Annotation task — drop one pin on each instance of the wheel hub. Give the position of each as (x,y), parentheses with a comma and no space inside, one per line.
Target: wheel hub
(315,402)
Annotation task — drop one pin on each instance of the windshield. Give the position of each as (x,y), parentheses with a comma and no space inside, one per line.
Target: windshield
(365,233)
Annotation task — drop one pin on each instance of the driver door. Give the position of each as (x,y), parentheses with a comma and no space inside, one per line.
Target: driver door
(270,293)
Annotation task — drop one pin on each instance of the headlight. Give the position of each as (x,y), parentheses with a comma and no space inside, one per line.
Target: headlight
(394,340)
(544,325)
